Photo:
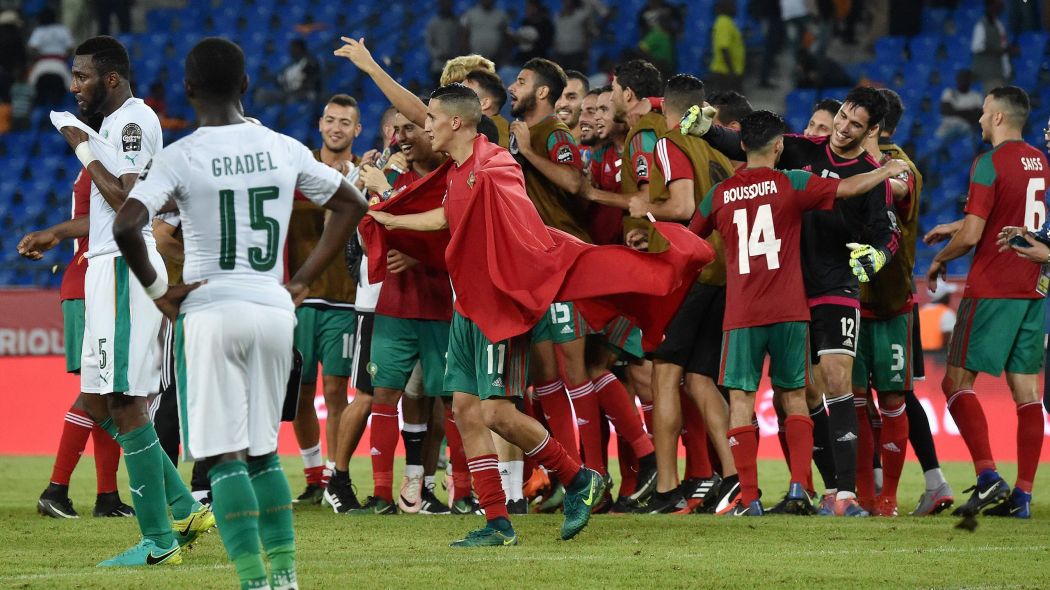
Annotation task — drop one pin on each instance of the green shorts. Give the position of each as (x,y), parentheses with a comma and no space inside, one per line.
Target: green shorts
(744,352)
(623,337)
(73,332)
(884,354)
(479,367)
(563,323)
(326,336)
(993,335)
(398,343)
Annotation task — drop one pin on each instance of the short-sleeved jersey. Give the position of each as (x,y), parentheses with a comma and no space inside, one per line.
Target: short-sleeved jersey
(1007,187)
(419,292)
(234,186)
(672,161)
(73,277)
(605,167)
(758,211)
(638,149)
(563,149)
(605,223)
(135,134)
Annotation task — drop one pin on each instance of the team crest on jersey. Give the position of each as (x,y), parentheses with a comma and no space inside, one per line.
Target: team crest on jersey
(564,154)
(641,167)
(131,138)
(372,369)
(470,179)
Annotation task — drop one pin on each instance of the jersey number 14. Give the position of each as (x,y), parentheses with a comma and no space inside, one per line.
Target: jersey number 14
(760,240)
(260,259)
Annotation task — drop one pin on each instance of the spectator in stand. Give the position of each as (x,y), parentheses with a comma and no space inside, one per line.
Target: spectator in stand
(299,81)
(12,52)
(991,47)
(50,47)
(727,50)
(779,18)
(572,38)
(670,16)
(444,37)
(536,34)
(106,9)
(486,29)
(157,101)
(960,108)
(658,44)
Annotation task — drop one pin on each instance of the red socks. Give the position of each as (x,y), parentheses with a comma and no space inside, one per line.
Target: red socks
(589,420)
(1029,443)
(75,431)
(485,471)
(458,457)
(107,459)
(619,407)
(798,437)
(894,444)
(554,457)
(744,444)
(554,404)
(694,437)
(628,466)
(384,435)
(865,453)
(973,426)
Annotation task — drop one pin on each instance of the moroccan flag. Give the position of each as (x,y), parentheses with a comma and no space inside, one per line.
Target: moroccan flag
(507,267)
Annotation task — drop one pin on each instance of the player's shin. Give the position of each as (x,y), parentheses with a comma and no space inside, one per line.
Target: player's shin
(237,515)
(275,519)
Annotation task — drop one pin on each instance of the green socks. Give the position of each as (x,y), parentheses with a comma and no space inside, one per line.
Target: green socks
(143,457)
(179,498)
(110,426)
(237,514)
(275,519)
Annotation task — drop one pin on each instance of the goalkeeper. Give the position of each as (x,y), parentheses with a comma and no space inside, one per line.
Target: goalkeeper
(832,273)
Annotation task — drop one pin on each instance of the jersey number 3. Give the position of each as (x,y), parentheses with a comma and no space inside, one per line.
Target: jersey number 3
(760,240)
(260,259)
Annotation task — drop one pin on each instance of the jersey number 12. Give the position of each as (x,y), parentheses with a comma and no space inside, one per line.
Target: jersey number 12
(260,259)
(760,240)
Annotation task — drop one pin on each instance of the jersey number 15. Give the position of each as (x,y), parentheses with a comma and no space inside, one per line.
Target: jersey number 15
(260,259)
(760,240)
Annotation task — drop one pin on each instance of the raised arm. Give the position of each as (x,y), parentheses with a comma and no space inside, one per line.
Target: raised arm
(862,183)
(404,101)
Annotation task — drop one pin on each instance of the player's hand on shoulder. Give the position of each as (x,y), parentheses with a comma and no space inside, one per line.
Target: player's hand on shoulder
(399,261)
(170,302)
(74,136)
(356,52)
(897,167)
(298,291)
(34,244)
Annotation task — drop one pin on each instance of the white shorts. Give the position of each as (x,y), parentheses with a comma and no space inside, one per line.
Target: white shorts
(122,350)
(232,364)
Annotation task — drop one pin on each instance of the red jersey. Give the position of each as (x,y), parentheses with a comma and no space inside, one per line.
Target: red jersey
(672,161)
(420,292)
(1007,187)
(73,277)
(605,223)
(758,211)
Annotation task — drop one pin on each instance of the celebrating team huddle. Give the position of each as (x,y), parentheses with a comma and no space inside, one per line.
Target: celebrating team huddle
(518,289)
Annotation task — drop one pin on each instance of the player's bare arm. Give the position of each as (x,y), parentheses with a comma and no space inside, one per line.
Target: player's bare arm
(433,220)
(564,176)
(167,244)
(399,261)
(34,244)
(114,190)
(597,195)
(127,232)
(962,241)
(407,104)
(862,183)
(678,206)
(942,232)
(347,207)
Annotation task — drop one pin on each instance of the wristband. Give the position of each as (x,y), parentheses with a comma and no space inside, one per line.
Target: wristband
(157,289)
(84,153)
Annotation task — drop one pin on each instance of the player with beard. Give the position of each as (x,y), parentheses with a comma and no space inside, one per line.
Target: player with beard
(634,83)
(552,167)
(1002,314)
(493,96)
(831,272)
(570,104)
(686,168)
(326,321)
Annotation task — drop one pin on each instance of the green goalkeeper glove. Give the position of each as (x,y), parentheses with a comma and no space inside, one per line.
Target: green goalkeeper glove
(865,261)
(696,121)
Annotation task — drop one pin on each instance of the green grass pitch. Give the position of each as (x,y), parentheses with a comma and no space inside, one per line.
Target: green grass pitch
(615,551)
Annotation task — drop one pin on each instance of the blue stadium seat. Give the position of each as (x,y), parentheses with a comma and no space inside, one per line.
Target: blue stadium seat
(890,48)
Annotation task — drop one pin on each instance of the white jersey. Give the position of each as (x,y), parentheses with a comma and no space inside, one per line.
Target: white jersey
(133,131)
(234,186)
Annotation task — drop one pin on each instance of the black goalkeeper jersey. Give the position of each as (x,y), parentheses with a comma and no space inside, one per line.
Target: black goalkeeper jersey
(865,219)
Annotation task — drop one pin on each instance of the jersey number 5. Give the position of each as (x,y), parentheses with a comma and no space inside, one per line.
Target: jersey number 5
(761,240)
(260,259)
